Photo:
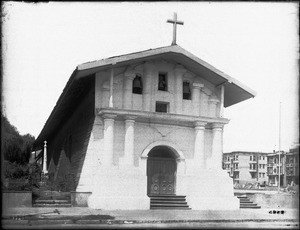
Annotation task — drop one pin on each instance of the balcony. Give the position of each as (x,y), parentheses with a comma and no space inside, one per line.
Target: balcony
(252,170)
(236,161)
(270,164)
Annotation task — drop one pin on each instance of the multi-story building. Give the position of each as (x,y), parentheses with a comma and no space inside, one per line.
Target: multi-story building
(289,167)
(292,166)
(274,165)
(246,167)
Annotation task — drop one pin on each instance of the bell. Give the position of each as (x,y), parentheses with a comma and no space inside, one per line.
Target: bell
(186,88)
(137,83)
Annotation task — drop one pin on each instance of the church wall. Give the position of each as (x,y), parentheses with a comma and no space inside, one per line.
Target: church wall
(207,92)
(73,137)
(147,133)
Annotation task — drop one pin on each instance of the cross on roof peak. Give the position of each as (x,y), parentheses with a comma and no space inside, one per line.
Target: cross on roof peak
(174,22)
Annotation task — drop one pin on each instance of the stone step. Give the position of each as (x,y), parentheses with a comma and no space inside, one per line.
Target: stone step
(38,201)
(51,205)
(170,208)
(246,202)
(241,200)
(250,207)
(168,205)
(167,202)
(181,196)
(167,198)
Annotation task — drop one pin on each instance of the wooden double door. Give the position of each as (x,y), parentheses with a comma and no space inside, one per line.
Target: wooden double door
(161,174)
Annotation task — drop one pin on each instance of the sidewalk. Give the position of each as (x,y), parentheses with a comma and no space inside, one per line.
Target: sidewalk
(76,215)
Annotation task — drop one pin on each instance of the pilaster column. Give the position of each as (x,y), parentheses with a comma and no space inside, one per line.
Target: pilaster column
(149,69)
(45,158)
(217,145)
(108,148)
(129,141)
(127,89)
(105,95)
(111,87)
(196,98)
(212,106)
(199,154)
(222,92)
(178,72)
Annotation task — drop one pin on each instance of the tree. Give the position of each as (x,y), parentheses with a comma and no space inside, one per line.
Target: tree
(15,148)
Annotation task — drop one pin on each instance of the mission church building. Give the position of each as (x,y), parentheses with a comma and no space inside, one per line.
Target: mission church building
(144,126)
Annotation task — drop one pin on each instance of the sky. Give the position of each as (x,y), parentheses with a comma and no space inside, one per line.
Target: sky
(253,42)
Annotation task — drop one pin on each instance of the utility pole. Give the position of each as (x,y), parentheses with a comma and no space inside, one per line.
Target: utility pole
(279,147)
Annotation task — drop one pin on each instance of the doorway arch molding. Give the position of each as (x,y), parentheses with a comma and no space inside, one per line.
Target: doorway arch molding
(175,149)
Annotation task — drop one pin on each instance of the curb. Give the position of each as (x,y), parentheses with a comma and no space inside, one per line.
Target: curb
(118,222)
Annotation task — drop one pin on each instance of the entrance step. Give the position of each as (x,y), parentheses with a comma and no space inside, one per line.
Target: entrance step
(53,199)
(168,202)
(245,202)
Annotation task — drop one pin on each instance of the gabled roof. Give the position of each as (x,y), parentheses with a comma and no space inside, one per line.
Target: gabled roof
(235,91)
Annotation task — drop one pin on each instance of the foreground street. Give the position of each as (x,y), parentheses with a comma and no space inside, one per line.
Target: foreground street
(78,218)
(209,225)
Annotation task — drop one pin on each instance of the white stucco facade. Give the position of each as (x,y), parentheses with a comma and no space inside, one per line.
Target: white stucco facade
(124,134)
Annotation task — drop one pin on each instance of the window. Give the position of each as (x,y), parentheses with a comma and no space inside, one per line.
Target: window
(137,85)
(250,158)
(254,158)
(236,157)
(162,82)
(263,158)
(260,157)
(263,166)
(236,166)
(161,107)
(186,90)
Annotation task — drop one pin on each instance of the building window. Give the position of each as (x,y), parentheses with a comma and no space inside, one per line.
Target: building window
(250,158)
(263,166)
(186,90)
(137,85)
(161,107)
(263,158)
(162,82)
(236,166)
(254,158)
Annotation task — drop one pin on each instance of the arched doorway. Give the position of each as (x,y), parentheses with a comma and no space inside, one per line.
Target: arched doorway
(161,171)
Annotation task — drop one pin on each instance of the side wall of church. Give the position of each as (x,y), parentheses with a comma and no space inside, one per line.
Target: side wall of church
(68,147)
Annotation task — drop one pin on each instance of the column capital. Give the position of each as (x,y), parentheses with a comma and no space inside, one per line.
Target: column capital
(109,116)
(200,124)
(130,118)
(216,126)
(45,143)
(180,69)
(197,85)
